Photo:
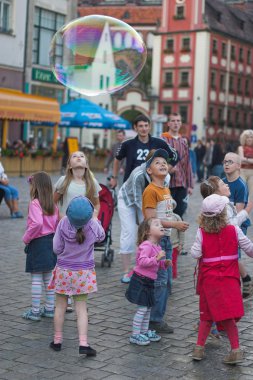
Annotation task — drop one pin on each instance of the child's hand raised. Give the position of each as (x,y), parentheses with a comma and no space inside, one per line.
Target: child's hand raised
(168,263)
(160,255)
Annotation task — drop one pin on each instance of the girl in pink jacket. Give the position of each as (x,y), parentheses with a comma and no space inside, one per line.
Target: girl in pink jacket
(141,286)
(42,220)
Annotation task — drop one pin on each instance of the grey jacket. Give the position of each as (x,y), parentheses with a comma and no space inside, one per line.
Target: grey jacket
(134,186)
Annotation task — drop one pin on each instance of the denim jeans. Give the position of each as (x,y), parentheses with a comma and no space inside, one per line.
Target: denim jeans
(163,285)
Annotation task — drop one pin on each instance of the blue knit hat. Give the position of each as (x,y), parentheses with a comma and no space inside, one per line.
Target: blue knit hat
(79,211)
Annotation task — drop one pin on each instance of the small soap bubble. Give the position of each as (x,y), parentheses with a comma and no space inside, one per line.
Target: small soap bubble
(101,55)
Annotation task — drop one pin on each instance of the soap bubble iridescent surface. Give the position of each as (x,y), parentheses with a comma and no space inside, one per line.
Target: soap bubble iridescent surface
(101,55)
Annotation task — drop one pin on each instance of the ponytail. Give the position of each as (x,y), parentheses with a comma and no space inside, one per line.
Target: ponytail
(80,236)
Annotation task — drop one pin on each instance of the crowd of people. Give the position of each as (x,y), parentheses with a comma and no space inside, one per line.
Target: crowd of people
(63,226)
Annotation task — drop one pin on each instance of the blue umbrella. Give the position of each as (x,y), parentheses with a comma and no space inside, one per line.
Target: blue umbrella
(81,113)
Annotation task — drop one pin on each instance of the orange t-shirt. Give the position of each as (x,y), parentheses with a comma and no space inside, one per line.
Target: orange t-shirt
(160,199)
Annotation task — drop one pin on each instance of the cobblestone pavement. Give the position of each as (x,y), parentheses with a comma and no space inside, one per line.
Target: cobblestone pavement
(24,351)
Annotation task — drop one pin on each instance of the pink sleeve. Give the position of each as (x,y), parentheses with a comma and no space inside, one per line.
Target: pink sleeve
(144,253)
(34,222)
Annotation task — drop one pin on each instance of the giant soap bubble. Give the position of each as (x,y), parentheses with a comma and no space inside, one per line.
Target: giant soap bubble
(101,54)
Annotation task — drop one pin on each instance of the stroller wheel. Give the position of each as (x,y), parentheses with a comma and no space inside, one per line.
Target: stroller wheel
(111,254)
(103,260)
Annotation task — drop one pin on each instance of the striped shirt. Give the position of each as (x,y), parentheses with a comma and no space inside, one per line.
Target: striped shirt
(183,176)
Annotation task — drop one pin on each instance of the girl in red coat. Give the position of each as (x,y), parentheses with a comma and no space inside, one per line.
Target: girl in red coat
(216,245)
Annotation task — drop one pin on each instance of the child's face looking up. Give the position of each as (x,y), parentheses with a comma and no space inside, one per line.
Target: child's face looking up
(159,167)
(223,189)
(78,160)
(156,229)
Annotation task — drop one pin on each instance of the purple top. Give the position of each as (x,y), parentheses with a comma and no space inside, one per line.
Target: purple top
(146,262)
(70,254)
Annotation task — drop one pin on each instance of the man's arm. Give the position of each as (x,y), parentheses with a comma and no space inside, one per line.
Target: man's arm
(116,165)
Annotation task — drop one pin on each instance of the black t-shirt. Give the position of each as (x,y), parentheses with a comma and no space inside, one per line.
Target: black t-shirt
(136,152)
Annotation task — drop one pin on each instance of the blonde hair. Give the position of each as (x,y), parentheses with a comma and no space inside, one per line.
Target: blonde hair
(244,135)
(214,224)
(88,178)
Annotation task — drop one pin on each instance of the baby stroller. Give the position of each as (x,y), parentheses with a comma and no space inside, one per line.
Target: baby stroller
(105,216)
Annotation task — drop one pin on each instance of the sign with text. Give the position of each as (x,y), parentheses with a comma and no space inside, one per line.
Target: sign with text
(72,145)
(42,75)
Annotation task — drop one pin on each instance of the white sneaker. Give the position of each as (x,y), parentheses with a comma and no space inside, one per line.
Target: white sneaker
(152,336)
(139,339)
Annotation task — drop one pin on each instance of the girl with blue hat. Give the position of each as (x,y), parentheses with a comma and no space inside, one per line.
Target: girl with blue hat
(74,274)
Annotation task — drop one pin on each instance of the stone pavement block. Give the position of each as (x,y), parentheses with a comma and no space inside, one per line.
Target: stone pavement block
(117,377)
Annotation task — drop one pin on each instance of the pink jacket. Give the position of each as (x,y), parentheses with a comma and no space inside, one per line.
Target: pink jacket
(39,224)
(146,262)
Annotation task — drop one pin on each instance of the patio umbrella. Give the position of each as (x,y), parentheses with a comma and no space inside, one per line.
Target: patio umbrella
(81,113)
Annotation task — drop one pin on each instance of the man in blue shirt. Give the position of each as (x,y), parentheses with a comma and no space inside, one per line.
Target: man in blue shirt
(239,197)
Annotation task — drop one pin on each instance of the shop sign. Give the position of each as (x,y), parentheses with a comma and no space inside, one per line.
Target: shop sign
(42,75)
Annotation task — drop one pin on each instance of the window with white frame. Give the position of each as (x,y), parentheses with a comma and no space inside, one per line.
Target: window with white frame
(46,24)
(6,16)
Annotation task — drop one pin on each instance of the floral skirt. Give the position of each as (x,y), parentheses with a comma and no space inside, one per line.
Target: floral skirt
(70,282)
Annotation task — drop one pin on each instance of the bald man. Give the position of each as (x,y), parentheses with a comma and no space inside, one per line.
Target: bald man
(239,197)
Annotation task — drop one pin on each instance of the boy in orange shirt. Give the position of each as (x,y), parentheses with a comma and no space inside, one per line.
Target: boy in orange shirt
(158,203)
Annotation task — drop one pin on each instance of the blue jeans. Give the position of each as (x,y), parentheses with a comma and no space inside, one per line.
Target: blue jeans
(163,285)
(10,192)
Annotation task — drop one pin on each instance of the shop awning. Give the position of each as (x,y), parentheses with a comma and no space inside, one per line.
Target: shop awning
(15,105)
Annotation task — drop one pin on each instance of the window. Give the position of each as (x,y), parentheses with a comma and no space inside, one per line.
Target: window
(213,80)
(167,110)
(211,116)
(231,83)
(241,54)
(215,47)
(46,23)
(222,82)
(168,79)
(239,85)
(170,45)
(184,79)
(223,50)
(249,57)
(247,85)
(232,56)
(229,119)
(220,117)
(237,117)
(101,82)
(6,16)
(186,44)
(183,111)
(180,12)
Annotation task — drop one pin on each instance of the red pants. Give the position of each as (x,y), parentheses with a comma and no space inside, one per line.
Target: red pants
(229,326)
(175,254)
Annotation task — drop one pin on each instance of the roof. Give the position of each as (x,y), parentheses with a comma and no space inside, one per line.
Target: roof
(131,14)
(15,105)
(228,19)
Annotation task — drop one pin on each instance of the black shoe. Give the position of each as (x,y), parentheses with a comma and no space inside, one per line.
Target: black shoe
(55,346)
(161,327)
(87,350)
(184,253)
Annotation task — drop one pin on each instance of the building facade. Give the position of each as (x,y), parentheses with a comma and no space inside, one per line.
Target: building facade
(204,51)
(44,19)
(12,44)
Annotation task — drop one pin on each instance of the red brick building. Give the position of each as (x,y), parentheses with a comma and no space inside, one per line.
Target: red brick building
(202,61)
(204,50)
